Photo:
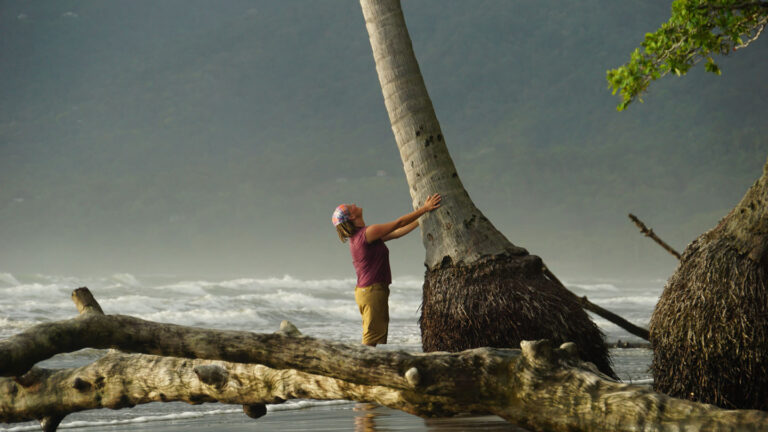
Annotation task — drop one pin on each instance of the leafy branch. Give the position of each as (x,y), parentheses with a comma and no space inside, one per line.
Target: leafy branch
(696,30)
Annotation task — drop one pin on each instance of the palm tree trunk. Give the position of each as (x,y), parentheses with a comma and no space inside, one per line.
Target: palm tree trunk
(479,288)
(460,232)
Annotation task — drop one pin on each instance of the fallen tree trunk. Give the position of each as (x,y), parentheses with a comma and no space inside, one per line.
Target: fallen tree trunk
(537,387)
(119,380)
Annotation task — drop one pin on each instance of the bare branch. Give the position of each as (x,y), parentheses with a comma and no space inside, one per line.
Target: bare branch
(649,233)
(760,28)
(735,6)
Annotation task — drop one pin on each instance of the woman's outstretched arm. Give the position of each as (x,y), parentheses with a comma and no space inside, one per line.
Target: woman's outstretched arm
(402,225)
(401,231)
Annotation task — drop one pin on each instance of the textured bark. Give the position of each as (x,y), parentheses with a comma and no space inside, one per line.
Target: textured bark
(283,350)
(746,226)
(501,302)
(120,380)
(537,386)
(709,330)
(459,231)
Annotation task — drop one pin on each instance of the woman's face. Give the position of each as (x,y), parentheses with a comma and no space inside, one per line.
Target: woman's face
(355,212)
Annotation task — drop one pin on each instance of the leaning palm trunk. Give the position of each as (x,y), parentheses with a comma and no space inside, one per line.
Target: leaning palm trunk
(709,330)
(479,288)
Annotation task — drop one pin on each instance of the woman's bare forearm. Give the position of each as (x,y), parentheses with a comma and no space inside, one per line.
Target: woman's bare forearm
(402,231)
(411,218)
(410,227)
(387,231)
(432,202)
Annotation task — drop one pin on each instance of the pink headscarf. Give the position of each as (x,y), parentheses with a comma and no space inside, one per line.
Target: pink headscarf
(340,215)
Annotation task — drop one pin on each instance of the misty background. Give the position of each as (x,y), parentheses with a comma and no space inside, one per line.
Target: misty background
(214,139)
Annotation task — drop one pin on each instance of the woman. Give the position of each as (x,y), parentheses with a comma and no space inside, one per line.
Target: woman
(370,257)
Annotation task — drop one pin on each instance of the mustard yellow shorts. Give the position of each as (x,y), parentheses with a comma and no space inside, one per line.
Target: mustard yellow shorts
(373,302)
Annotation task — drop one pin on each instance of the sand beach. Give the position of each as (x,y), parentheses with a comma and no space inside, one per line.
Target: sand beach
(329,418)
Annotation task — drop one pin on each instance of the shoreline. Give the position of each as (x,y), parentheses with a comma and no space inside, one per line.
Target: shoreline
(332,417)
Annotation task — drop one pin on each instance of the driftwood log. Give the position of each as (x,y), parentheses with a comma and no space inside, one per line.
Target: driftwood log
(538,386)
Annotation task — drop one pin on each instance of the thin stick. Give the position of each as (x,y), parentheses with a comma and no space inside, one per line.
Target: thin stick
(610,316)
(649,233)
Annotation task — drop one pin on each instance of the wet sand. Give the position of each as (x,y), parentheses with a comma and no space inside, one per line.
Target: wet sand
(344,417)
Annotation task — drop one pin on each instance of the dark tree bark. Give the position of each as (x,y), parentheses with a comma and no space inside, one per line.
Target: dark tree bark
(709,331)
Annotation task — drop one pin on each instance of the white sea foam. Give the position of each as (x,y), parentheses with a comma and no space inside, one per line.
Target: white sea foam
(410,282)
(247,285)
(7,279)
(644,381)
(242,303)
(290,282)
(303,404)
(185,288)
(9,327)
(404,307)
(36,290)
(644,301)
(135,304)
(232,319)
(287,281)
(612,328)
(60,280)
(126,279)
(602,287)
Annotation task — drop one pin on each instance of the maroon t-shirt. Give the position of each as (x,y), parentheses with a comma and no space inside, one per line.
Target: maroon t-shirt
(371,260)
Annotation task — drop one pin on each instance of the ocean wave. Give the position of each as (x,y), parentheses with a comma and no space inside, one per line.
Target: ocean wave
(403,308)
(305,403)
(408,282)
(610,327)
(36,290)
(126,279)
(8,279)
(247,318)
(252,284)
(253,304)
(628,301)
(9,327)
(643,381)
(592,287)
(284,282)
(135,304)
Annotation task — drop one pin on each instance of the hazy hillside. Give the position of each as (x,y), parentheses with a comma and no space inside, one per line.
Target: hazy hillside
(208,139)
